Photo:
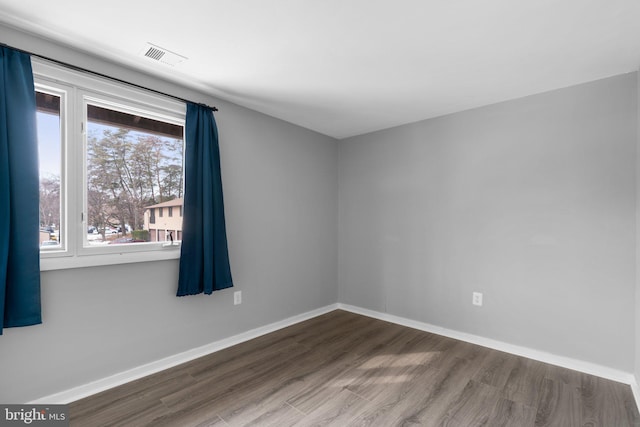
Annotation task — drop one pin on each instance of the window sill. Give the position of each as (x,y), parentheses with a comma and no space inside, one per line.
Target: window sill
(82,261)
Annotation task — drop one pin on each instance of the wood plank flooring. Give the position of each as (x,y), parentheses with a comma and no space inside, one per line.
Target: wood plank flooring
(343,369)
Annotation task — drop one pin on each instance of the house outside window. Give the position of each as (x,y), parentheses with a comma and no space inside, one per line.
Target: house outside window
(165,228)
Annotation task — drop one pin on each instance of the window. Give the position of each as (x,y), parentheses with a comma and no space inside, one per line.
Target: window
(132,162)
(108,153)
(48,113)
(170,209)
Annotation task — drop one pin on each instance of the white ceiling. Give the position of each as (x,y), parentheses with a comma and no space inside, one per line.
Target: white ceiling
(347,67)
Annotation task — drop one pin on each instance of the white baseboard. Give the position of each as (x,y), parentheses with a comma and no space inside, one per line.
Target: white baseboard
(94,387)
(565,362)
(636,390)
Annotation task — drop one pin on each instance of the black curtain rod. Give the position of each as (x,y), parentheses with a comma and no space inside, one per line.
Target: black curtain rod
(95,73)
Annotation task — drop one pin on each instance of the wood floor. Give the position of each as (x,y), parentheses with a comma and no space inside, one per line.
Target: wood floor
(342,369)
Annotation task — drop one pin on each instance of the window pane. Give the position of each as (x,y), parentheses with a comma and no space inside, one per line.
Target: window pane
(49,157)
(133,164)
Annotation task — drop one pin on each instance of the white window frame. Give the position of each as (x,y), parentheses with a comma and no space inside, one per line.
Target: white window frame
(76,90)
(61,91)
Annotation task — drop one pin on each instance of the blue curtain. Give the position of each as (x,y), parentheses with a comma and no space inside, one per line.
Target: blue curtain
(19,193)
(204,257)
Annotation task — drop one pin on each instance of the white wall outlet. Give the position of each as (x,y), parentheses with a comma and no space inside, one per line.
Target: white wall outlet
(237,297)
(477,298)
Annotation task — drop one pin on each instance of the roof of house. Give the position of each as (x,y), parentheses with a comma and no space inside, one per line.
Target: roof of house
(175,202)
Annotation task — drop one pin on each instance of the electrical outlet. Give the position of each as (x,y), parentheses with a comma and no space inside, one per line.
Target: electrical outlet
(477,298)
(237,297)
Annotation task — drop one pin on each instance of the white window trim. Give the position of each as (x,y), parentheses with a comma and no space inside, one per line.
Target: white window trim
(76,88)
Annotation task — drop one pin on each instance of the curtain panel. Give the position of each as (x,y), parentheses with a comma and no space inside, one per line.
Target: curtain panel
(204,258)
(19,193)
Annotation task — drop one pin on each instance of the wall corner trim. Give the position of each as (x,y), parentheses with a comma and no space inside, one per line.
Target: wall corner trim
(541,356)
(79,392)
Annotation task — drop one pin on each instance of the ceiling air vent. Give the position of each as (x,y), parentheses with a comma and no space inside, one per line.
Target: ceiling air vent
(156,53)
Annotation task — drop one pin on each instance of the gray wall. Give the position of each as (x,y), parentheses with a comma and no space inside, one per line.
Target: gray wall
(281,202)
(531,202)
